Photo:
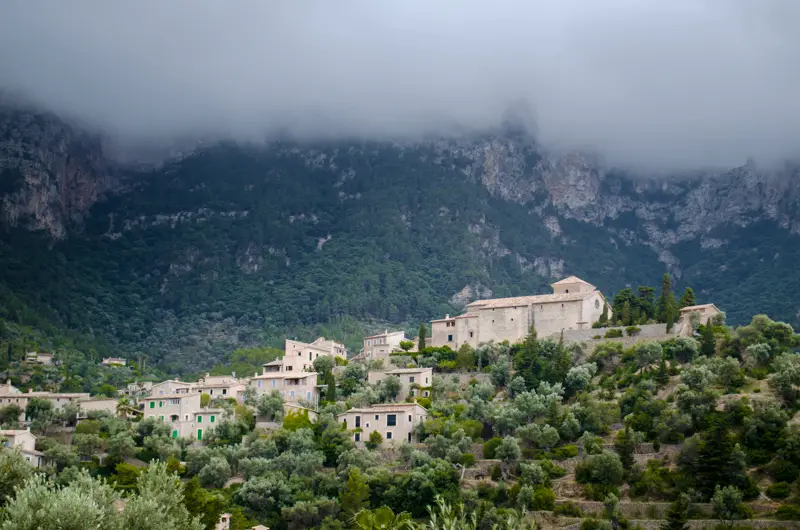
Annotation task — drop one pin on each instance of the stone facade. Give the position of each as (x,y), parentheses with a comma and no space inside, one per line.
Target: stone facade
(299,356)
(25,442)
(184,414)
(294,387)
(415,382)
(574,304)
(381,345)
(9,395)
(394,422)
(705,312)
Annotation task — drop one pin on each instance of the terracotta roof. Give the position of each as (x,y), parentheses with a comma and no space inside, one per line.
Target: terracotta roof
(276,362)
(384,334)
(170,396)
(445,319)
(571,279)
(299,375)
(14,432)
(529,300)
(468,314)
(385,407)
(407,370)
(698,307)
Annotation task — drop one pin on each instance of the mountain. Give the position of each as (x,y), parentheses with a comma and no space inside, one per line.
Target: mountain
(234,245)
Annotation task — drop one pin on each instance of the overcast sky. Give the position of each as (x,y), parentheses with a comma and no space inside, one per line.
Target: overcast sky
(675,83)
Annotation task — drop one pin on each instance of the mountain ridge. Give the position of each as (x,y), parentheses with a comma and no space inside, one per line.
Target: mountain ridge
(237,245)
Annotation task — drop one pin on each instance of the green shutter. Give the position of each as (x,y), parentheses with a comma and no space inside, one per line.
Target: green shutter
(160,404)
(211,419)
(199,419)
(199,434)
(152,404)
(175,433)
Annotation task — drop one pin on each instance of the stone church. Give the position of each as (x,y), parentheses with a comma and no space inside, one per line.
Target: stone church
(574,304)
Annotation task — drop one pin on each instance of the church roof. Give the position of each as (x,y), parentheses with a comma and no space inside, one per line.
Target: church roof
(571,280)
(698,307)
(529,300)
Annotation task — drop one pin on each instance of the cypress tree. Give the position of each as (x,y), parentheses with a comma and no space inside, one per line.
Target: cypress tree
(687,299)
(624,445)
(604,315)
(666,302)
(330,392)
(626,314)
(708,341)
(423,333)
(662,375)
(677,514)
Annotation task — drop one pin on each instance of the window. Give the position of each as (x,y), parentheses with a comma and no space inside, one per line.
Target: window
(308,396)
(369,343)
(377,417)
(224,391)
(174,417)
(450,337)
(566,291)
(388,435)
(175,433)
(160,404)
(199,419)
(471,334)
(411,379)
(162,418)
(299,354)
(211,392)
(358,436)
(309,356)
(152,404)
(391,420)
(426,380)
(358,422)
(211,419)
(409,417)
(259,383)
(366,425)
(291,393)
(186,417)
(597,304)
(409,437)
(174,401)
(199,434)
(273,383)
(288,368)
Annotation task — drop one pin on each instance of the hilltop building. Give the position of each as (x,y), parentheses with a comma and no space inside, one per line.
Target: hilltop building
(574,304)
(299,356)
(25,442)
(395,422)
(113,361)
(415,382)
(10,395)
(184,414)
(33,357)
(381,345)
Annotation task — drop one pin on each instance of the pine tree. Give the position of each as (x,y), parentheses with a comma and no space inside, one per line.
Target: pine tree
(355,495)
(423,333)
(677,514)
(708,341)
(687,299)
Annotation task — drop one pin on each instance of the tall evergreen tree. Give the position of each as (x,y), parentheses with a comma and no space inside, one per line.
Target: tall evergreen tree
(677,515)
(666,302)
(708,341)
(330,392)
(423,333)
(604,315)
(625,445)
(645,301)
(626,314)
(687,299)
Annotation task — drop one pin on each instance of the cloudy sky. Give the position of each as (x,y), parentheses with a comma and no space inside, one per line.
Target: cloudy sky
(672,83)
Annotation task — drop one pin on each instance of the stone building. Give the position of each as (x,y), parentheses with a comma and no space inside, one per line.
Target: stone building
(25,442)
(415,382)
(293,386)
(183,413)
(704,312)
(574,304)
(395,422)
(381,345)
(299,356)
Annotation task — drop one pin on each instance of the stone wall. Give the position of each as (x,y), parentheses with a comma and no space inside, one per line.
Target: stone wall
(648,332)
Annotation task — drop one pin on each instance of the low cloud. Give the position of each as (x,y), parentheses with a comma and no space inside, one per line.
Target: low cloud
(668,84)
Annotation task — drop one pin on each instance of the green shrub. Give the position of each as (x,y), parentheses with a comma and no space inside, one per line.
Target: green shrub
(788,512)
(779,490)
(543,499)
(490,447)
(467,460)
(632,331)
(613,334)
(564,452)
(593,524)
(487,491)
(756,390)
(598,492)
(552,470)
(425,402)
(569,509)
(597,337)
(496,473)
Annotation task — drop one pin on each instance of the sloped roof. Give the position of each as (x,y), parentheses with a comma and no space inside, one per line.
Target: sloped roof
(529,300)
(698,307)
(571,279)
(385,407)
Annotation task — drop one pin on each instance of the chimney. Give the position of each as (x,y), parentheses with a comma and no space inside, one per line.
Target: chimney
(447,315)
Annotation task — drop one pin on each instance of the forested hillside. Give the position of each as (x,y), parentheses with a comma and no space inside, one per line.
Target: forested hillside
(242,245)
